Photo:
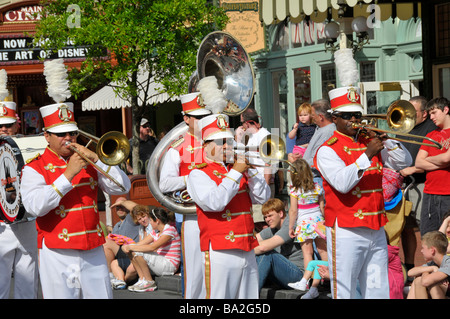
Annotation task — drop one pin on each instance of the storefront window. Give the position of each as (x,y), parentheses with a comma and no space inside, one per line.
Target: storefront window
(444,81)
(280,112)
(367,74)
(307,33)
(281,39)
(328,79)
(302,83)
(442,29)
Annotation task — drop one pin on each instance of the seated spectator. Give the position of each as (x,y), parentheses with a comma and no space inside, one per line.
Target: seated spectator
(432,279)
(121,271)
(158,252)
(445,229)
(279,259)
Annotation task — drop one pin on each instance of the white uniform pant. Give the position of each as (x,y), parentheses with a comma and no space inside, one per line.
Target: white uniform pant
(192,259)
(231,274)
(355,255)
(18,254)
(74,274)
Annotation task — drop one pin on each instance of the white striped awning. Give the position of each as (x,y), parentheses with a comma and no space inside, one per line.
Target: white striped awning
(106,98)
(274,11)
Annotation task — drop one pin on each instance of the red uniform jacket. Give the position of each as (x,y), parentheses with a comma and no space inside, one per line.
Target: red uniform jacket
(191,153)
(363,206)
(75,223)
(233,227)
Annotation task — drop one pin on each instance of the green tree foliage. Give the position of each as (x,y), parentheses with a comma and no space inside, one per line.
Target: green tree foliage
(123,37)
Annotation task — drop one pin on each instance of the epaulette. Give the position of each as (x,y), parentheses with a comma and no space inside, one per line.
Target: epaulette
(177,143)
(332,140)
(33,158)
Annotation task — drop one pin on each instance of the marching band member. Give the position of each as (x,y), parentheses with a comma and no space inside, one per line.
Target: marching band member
(60,189)
(223,194)
(18,240)
(351,166)
(183,156)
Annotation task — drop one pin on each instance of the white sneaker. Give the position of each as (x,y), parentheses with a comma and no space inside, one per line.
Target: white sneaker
(119,284)
(146,286)
(298,285)
(133,287)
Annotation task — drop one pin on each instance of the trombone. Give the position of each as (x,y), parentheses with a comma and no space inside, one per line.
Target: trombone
(112,149)
(401,118)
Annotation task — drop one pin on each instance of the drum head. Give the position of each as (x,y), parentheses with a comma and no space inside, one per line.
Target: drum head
(11,163)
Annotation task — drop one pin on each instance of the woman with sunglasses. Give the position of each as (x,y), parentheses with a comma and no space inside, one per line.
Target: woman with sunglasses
(158,252)
(351,166)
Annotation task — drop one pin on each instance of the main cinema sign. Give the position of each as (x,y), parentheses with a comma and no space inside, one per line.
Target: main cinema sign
(20,50)
(23,14)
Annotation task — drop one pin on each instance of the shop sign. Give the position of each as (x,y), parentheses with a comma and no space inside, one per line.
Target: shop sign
(23,14)
(21,50)
(244,23)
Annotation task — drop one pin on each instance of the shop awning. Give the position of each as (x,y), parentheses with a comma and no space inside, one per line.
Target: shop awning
(274,11)
(106,98)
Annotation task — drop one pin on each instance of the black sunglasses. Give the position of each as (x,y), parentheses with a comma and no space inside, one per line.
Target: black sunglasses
(63,134)
(224,141)
(349,115)
(9,125)
(197,117)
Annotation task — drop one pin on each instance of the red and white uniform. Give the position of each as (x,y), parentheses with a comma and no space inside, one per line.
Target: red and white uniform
(354,215)
(363,204)
(69,232)
(18,249)
(75,222)
(184,156)
(224,198)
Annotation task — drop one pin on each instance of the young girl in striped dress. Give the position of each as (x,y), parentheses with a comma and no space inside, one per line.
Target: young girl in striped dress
(306,214)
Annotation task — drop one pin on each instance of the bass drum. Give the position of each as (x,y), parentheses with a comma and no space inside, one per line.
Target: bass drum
(14,152)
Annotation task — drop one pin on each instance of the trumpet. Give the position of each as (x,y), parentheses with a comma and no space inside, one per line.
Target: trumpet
(112,149)
(401,118)
(271,149)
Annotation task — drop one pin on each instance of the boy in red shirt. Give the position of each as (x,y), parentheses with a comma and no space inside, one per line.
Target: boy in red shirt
(436,163)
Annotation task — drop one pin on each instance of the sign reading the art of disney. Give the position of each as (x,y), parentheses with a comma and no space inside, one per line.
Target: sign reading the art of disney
(21,50)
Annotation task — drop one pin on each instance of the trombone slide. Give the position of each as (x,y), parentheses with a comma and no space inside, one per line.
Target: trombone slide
(434,143)
(98,168)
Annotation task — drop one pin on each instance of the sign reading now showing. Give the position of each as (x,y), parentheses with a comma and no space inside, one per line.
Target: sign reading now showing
(22,50)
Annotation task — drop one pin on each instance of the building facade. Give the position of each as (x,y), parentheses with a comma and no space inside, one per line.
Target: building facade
(297,68)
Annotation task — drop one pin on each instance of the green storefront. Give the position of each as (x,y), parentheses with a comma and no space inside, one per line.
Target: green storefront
(296,68)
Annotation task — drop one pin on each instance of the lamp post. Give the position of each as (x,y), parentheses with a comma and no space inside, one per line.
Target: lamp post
(346,26)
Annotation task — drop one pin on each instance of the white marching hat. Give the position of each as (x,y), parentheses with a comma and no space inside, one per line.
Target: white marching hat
(7,112)
(59,118)
(346,99)
(214,127)
(191,105)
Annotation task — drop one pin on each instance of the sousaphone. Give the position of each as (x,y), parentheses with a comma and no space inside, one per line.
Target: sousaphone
(224,57)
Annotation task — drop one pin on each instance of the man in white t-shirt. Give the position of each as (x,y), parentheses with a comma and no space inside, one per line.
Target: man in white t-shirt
(250,134)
